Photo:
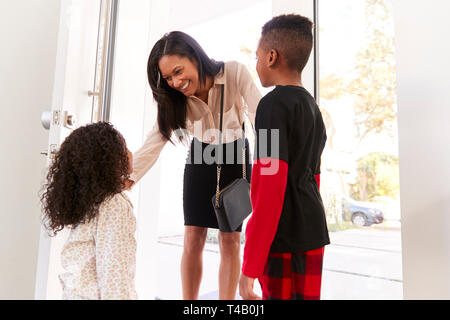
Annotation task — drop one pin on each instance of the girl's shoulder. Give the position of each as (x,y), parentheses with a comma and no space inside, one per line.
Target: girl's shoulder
(119,201)
(116,212)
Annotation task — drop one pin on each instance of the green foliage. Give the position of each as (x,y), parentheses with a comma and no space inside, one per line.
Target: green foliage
(378,175)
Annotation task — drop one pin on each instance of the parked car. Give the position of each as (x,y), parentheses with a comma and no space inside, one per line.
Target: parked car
(362,214)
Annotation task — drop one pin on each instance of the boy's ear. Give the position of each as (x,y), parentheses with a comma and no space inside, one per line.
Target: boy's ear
(272,58)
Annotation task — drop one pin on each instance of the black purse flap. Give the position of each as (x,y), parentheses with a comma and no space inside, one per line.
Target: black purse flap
(236,202)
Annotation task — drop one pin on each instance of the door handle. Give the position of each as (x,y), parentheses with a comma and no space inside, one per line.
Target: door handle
(46,119)
(92,93)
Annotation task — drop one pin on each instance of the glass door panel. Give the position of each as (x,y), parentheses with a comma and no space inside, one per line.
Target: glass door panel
(360,167)
(159,197)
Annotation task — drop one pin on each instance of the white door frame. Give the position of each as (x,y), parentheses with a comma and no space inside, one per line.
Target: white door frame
(74,77)
(54,134)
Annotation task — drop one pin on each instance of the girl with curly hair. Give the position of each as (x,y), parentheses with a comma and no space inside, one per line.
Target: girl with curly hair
(84,192)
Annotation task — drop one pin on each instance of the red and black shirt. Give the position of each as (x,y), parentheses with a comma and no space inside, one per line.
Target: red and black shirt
(288,213)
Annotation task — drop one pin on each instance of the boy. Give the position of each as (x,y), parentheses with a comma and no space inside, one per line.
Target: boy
(287,232)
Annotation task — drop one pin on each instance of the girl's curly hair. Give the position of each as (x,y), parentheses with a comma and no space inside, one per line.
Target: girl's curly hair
(91,165)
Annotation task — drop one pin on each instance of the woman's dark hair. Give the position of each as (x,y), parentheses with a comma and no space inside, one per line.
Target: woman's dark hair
(91,165)
(171,103)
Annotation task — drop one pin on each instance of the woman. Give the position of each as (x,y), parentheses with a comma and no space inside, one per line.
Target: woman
(186,86)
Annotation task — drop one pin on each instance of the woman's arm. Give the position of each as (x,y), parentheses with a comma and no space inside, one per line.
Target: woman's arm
(145,157)
(248,91)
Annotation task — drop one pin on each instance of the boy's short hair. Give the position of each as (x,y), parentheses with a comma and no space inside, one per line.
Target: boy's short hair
(291,35)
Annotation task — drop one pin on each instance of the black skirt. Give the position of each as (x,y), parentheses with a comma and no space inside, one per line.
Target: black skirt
(200,179)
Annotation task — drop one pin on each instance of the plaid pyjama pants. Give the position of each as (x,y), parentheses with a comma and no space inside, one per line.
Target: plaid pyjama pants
(293,276)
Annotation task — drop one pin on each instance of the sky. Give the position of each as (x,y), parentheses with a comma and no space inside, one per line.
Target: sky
(341,34)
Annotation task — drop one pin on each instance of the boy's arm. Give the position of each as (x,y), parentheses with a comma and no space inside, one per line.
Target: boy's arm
(269,180)
(267,202)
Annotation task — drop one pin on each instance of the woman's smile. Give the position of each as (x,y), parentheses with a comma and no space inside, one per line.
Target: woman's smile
(186,85)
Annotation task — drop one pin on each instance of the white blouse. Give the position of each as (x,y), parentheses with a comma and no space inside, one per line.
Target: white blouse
(240,96)
(100,256)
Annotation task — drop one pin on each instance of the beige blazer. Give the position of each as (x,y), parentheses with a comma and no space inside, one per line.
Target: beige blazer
(241,97)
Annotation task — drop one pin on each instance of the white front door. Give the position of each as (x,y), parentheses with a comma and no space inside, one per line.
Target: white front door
(72,106)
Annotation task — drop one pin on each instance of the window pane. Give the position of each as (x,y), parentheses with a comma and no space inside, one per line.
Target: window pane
(360,173)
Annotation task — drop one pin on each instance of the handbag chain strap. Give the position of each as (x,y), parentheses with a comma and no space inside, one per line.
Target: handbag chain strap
(219,166)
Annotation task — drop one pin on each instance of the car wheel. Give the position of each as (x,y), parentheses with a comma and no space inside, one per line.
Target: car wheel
(359,219)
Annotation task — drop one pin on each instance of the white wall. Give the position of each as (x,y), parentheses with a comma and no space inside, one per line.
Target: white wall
(28,33)
(423,67)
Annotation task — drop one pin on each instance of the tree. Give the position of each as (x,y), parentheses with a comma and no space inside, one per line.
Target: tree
(373,84)
(378,175)
(332,87)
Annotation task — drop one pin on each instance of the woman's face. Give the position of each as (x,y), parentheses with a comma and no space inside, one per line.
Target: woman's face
(180,73)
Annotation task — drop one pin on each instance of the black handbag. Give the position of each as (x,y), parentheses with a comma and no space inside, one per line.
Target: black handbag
(232,204)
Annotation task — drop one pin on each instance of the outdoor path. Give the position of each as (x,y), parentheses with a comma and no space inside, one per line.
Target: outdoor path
(363,263)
